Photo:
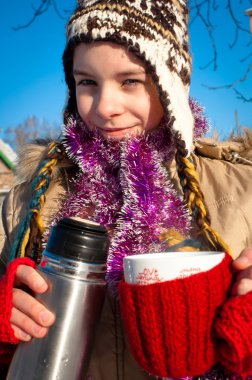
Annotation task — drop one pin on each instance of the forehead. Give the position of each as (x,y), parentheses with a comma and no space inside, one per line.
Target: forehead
(102,53)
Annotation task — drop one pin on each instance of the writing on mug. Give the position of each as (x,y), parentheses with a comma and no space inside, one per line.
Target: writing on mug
(148,276)
(188,272)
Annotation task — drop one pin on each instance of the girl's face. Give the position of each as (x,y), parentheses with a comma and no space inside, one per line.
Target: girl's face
(113,91)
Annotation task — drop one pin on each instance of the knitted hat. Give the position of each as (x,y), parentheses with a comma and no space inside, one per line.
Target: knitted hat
(157,32)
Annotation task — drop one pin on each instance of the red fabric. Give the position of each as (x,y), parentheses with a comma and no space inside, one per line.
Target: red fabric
(234,328)
(7,337)
(170,325)
(6,352)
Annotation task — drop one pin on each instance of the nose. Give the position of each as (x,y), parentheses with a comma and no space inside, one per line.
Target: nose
(108,103)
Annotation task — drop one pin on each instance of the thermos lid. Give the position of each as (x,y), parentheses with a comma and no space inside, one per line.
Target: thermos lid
(79,239)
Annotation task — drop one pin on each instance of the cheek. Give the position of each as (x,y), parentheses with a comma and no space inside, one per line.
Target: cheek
(84,105)
(150,107)
(154,113)
(158,111)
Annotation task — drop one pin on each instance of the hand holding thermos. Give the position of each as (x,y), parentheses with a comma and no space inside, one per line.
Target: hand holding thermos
(74,265)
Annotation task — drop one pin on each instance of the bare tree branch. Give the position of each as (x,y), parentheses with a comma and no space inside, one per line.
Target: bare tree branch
(215,5)
(237,23)
(56,8)
(246,57)
(242,96)
(42,8)
(29,130)
(234,84)
(204,10)
(208,18)
(193,7)
(209,29)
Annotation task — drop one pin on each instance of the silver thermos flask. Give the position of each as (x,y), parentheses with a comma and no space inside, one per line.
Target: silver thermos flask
(74,266)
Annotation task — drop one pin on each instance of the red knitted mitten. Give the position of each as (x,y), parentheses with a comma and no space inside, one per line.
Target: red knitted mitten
(234,328)
(170,324)
(6,286)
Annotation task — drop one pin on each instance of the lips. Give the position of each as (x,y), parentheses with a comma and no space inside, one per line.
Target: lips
(115,132)
(119,133)
(114,129)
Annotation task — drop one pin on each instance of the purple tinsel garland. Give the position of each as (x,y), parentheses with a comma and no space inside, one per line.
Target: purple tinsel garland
(201,123)
(124,185)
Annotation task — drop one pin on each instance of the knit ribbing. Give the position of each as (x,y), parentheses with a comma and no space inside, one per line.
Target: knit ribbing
(170,325)
(6,287)
(234,329)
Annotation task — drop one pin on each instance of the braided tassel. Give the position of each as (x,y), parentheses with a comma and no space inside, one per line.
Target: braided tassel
(195,199)
(32,225)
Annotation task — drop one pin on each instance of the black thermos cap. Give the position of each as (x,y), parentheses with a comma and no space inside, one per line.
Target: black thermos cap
(79,239)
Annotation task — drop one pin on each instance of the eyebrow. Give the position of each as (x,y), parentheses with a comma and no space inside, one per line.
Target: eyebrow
(120,74)
(133,72)
(80,72)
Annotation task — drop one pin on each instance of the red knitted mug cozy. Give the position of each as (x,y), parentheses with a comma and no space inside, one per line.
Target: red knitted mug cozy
(169,325)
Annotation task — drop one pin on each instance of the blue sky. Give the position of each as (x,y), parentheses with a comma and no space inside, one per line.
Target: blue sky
(32,79)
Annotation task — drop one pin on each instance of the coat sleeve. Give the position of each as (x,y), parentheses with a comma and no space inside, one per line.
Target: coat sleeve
(14,208)
(5,228)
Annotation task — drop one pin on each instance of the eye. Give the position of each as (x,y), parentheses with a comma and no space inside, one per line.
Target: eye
(85,82)
(132,82)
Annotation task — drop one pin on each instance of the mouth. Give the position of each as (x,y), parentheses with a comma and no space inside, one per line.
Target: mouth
(110,131)
(118,132)
(115,129)
(115,132)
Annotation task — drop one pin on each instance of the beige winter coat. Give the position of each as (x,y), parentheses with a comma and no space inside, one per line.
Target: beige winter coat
(225,173)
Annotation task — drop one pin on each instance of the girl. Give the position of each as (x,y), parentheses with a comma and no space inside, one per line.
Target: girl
(127,67)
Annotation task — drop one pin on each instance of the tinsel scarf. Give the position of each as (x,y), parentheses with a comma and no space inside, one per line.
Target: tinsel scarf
(124,185)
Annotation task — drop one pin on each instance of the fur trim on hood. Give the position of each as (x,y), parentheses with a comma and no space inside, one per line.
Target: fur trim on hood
(29,158)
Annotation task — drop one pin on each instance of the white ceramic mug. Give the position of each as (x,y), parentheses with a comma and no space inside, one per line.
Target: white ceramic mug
(159,267)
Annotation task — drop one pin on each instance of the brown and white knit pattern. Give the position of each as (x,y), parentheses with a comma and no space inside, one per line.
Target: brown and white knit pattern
(157,31)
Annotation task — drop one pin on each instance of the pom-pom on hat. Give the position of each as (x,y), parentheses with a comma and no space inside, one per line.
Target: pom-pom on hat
(157,32)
